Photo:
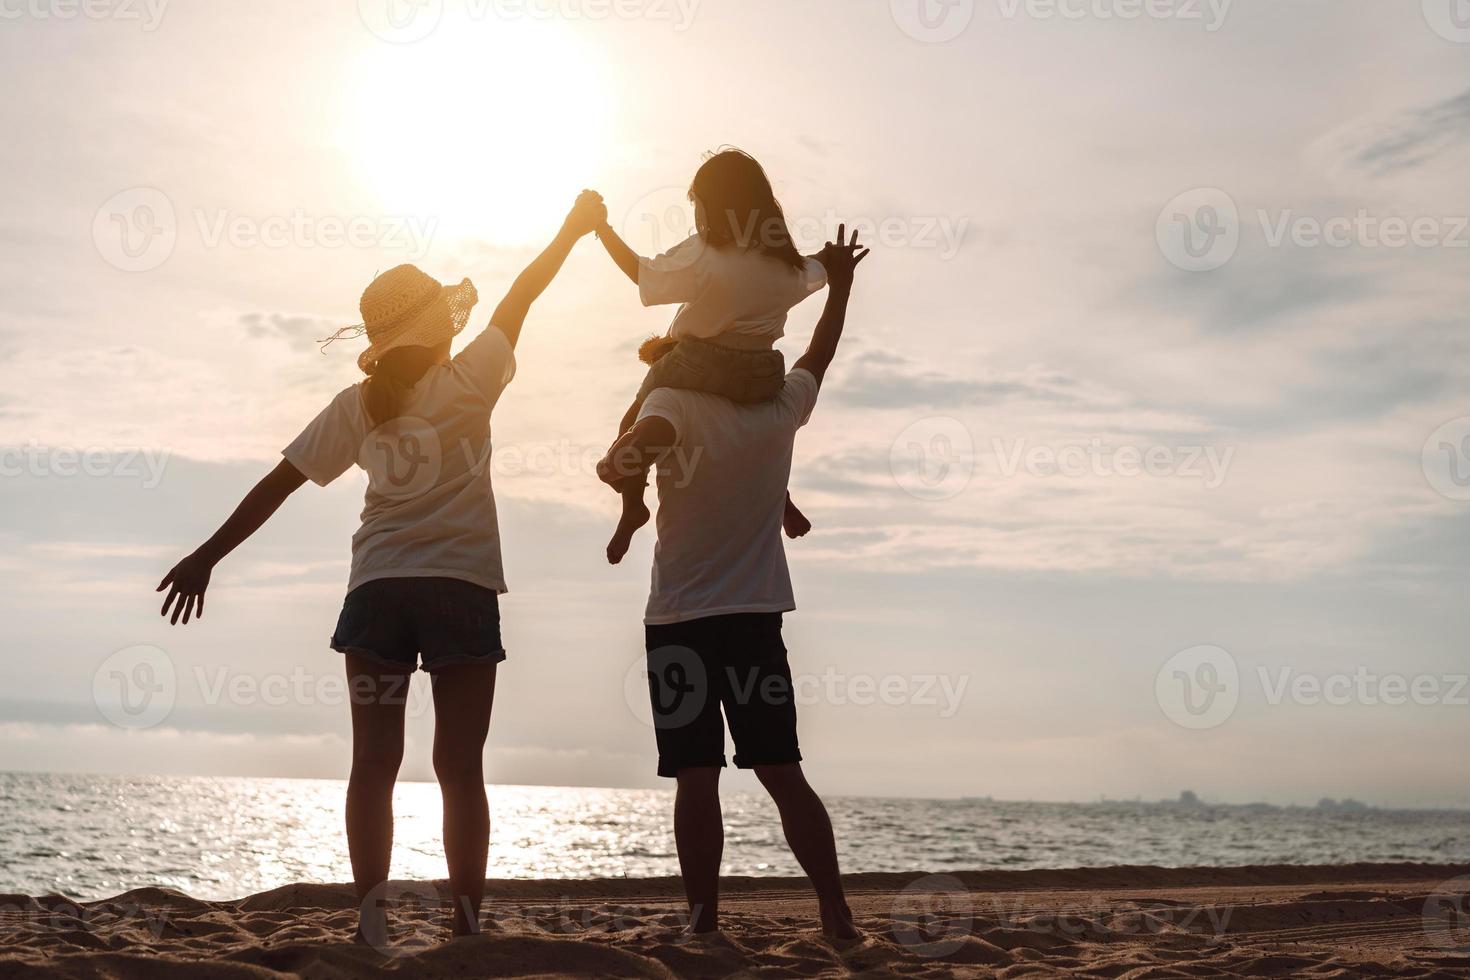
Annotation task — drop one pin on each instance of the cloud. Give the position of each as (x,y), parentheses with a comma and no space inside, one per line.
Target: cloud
(1412,140)
(302,332)
(883,379)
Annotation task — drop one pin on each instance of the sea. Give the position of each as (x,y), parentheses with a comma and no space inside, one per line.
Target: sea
(94,837)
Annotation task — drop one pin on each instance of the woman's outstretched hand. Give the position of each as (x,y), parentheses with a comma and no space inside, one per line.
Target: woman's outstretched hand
(189,579)
(841,258)
(587,215)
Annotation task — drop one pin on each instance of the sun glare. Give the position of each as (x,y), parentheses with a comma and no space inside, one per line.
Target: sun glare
(489,128)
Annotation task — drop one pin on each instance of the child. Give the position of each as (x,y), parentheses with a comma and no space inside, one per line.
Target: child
(737,278)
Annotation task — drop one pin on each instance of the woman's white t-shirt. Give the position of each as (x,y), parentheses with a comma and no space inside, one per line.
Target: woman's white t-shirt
(726,289)
(429,509)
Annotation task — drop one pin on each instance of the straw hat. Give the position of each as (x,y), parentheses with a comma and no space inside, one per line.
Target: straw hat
(406,307)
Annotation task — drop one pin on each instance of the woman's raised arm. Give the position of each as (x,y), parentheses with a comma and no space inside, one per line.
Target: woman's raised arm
(510,315)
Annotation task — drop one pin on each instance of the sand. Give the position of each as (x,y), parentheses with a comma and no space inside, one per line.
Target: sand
(1350,921)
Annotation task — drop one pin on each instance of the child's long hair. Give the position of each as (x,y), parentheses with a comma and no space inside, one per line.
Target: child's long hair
(740,208)
(392,378)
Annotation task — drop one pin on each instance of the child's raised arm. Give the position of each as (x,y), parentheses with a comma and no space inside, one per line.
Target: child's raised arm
(190,577)
(618,250)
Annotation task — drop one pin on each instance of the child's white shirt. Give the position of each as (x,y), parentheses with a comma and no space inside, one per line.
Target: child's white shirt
(726,290)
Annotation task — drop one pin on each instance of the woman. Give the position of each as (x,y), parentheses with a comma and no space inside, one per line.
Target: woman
(426,571)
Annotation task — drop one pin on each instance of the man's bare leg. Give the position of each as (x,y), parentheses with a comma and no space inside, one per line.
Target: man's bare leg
(809,833)
(699,833)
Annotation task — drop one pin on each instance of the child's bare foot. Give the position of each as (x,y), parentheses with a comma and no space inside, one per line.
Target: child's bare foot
(635,515)
(794,521)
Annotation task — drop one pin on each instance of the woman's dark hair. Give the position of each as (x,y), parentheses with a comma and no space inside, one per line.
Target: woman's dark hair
(740,208)
(392,378)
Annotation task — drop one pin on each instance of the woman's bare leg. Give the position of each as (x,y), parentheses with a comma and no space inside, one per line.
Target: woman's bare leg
(379,695)
(463,696)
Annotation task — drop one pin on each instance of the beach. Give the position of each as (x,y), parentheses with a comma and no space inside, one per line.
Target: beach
(1354,920)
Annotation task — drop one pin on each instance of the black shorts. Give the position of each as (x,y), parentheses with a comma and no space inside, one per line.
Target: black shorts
(393,620)
(737,662)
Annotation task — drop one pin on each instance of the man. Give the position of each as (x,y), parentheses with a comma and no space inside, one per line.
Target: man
(720,587)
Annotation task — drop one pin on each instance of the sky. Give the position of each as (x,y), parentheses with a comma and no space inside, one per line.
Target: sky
(1144,466)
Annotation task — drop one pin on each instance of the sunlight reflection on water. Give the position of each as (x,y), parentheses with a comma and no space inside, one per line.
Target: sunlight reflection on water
(91,837)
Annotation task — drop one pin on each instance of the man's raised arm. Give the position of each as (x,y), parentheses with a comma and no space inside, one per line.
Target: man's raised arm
(840,260)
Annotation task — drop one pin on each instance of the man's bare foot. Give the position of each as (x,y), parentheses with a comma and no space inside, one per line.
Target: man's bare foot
(837,924)
(794,521)
(634,517)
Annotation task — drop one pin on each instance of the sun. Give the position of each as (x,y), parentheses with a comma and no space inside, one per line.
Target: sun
(489,128)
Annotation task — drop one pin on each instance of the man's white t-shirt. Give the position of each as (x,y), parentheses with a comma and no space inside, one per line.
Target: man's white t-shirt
(726,289)
(721,493)
(429,509)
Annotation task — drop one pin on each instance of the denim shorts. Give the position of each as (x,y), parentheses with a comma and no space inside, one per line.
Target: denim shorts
(447,621)
(734,665)
(739,375)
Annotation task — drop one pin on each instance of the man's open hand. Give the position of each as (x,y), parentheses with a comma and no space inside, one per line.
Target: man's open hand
(841,258)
